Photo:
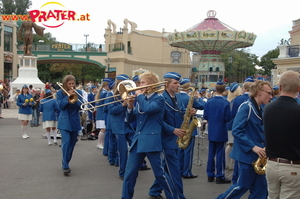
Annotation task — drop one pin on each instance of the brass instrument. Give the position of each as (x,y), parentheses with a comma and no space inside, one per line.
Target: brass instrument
(184,141)
(125,88)
(73,98)
(260,165)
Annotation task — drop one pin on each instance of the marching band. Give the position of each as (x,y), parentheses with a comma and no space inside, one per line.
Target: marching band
(142,118)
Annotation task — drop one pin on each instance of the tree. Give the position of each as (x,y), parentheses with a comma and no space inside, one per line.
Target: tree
(243,64)
(19,7)
(89,47)
(266,63)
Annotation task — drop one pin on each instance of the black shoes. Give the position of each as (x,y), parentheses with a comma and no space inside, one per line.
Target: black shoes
(157,197)
(121,177)
(210,179)
(222,181)
(145,168)
(189,177)
(66,171)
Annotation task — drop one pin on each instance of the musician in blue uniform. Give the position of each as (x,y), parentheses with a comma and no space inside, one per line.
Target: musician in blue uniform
(249,143)
(235,105)
(148,112)
(121,128)
(173,118)
(91,97)
(69,119)
(186,155)
(275,93)
(217,113)
(112,155)
(100,115)
(25,109)
(49,108)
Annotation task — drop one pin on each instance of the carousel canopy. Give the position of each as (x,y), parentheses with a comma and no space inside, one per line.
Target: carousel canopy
(211,36)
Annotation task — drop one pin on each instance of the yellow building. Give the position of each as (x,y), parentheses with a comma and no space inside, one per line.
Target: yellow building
(131,49)
(8,50)
(289,56)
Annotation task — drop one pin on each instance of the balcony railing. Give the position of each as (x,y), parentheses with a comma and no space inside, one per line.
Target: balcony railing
(66,47)
(293,50)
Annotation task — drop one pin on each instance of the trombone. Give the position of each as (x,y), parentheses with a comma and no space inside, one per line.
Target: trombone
(73,98)
(124,88)
(47,98)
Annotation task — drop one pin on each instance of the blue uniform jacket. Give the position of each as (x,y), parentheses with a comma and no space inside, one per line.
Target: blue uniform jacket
(91,97)
(49,108)
(235,103)
(27,109)
(217,113)
(173,117)
(196,104)
(149,117)
(105,111)
(69,118)
(248,132)
(117,114)
(100,115)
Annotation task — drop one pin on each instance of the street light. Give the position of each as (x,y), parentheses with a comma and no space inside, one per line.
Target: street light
(108,64)
(229,68)
(86,41)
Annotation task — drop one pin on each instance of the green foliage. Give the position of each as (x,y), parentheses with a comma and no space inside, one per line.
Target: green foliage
(88,47)
(243,65)
(266,62)
(19,7)
(82,72)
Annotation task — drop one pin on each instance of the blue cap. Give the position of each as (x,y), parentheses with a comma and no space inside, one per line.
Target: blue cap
(111,84)
(220,82)
(184,81)
(122,77)
(135,78)
(106,80)
(47,91)
(227,88)
(25,86)
(233,86)
(261,78)
(276,87)
(202,90)
(94,87)
(172,75)
(249,79)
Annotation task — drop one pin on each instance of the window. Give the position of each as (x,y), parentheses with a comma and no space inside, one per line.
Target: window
(8,38)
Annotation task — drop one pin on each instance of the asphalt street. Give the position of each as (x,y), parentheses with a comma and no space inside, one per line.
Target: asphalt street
(30,169)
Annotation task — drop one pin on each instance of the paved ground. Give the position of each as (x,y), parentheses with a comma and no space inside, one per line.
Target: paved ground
(30,169)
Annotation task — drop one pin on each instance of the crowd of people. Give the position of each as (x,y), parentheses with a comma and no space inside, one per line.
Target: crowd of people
(245,123)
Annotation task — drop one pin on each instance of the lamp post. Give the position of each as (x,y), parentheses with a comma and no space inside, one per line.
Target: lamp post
(108,65)
(86,35)
(229,68)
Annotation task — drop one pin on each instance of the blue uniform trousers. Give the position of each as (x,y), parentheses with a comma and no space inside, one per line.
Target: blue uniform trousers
(68,141)
(112,147)
(122,150)
(216,150)
(247,180)
(186,158)
(156,160)
(172,166)
(106,144)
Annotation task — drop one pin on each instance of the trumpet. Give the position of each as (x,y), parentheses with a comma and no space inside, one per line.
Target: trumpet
(125,88)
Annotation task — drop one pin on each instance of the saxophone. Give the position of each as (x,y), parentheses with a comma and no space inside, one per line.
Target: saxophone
(184,141)
(260,165)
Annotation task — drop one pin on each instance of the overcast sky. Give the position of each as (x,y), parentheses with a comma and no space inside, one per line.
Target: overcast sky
(269,20)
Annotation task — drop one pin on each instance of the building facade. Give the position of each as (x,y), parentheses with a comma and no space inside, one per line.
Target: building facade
(289,56)
(130,50)
(8,50)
